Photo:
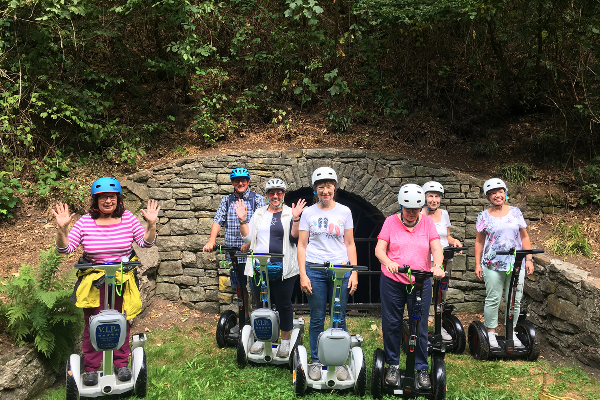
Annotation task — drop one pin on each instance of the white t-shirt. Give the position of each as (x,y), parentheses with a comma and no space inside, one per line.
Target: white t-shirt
(326,233)
(442,228)
(269,238)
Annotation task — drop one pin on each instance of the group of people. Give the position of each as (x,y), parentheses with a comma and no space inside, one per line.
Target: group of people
(323,232)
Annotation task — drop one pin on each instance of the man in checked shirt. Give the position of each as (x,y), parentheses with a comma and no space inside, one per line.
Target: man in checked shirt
(226,216)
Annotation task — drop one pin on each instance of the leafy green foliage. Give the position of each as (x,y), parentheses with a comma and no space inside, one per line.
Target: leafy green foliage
(517,173)
(589,179)
(9,188)
(111,78)
(38,310)
(569,240)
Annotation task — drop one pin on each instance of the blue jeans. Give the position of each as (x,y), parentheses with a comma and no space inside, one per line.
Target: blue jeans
(394,296)
(322,284)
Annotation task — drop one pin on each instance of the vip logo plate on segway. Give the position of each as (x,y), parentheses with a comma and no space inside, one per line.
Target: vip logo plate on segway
(108,330)
(263,328)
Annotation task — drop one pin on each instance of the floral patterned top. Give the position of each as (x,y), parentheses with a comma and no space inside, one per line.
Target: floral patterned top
(501,234)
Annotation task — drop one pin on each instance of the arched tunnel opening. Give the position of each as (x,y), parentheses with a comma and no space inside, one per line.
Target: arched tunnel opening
(368,221)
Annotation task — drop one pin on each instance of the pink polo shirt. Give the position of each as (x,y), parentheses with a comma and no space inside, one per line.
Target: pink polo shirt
(408,248)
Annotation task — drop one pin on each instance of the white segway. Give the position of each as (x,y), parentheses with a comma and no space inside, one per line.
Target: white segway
(264,323)
(108,332)
(335,347)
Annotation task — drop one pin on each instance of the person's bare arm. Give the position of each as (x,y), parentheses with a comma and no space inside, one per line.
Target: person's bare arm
(479,243)
(214,232)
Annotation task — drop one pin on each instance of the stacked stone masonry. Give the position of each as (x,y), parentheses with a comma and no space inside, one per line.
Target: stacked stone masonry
(190,190)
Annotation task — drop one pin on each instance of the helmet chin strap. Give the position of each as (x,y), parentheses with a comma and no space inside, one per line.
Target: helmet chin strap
(431,209)
(277,207)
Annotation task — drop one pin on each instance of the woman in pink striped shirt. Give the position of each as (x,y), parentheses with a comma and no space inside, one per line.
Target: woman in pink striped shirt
(106,234)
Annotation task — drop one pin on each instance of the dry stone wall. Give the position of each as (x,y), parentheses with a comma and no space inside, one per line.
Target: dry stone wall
(563,302)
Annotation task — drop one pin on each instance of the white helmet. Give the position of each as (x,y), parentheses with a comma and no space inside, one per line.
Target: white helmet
(411,196)
(275,183)
(433,186)
(324,174)
(494,183)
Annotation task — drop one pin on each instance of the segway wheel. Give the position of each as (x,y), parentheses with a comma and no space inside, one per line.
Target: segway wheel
(478,341)
(455,329)
(526,333)
(360,385)
(299,377)
(405,335)
(378,374)
(141,383)
(72,391)
(242,357)
(438,377)
(227,321)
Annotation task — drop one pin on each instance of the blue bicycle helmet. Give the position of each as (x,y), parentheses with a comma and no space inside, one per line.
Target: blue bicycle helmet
(239,173)
(106,185)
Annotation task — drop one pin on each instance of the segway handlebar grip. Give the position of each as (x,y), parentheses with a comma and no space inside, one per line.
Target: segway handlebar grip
(413,272)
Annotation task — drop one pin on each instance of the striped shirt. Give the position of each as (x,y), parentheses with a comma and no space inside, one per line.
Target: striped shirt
(106,243)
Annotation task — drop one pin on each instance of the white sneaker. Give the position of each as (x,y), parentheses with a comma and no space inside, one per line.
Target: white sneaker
(314,371)
(341,373)
(257,347)
(446,335)
(516,340)
(492,340)
(284,349)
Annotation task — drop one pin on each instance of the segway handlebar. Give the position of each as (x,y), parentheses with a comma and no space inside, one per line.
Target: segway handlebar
(416,272)
(455,249)
(129,264)
(327,265)
(248,255)
(513,252)
(218,247)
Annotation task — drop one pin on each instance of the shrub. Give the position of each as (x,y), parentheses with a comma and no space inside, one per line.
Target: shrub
(9,187)
(517,173)
(569,240)
(38,310)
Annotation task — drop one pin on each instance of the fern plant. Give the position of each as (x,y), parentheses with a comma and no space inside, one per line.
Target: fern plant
(37,308)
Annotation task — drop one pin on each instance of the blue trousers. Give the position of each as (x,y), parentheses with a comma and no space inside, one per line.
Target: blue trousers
(322,285)
(394,296)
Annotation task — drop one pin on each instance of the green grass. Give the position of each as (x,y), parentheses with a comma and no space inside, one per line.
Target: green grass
(185,363)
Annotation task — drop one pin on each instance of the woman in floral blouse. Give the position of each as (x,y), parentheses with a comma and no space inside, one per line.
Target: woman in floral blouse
(499,228)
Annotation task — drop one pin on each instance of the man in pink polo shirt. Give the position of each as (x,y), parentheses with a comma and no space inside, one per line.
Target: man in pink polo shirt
(407,238)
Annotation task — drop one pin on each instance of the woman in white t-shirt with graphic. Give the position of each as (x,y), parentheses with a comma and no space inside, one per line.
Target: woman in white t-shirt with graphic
(434,191)
(326,234)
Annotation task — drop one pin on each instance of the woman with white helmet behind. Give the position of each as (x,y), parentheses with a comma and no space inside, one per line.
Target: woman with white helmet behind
(274,229)
(406,238)
(499,228)
(434,191)
(326,235)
